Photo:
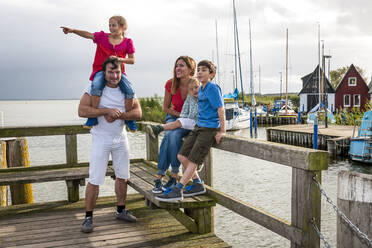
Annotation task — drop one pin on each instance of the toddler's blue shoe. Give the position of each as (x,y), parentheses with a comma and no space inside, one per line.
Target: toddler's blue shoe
(131,125)
(90,123)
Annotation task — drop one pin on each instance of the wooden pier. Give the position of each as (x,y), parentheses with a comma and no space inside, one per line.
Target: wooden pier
(187,223)
(335,138)
(278,120)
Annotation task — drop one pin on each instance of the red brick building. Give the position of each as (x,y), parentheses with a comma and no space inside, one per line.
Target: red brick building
(352,91)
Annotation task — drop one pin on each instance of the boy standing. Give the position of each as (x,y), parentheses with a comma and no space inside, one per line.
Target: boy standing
(210,127)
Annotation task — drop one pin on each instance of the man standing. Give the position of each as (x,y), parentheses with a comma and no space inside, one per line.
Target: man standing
(109,137)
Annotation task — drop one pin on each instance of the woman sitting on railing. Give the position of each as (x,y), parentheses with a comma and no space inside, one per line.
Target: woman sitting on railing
(176,91)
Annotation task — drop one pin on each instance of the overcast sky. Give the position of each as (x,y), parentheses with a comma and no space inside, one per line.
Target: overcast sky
(39,62)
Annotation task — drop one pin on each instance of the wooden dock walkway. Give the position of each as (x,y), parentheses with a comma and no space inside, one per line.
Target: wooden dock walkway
(186,223)
(335,139)
(57,224)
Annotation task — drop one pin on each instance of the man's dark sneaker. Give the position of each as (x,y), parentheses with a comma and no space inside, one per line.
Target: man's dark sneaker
(158,187)
(131,125)
(194,189)
(170,195)
(90,123)
(87,226)
(172,181)
(126,215)
(154,130)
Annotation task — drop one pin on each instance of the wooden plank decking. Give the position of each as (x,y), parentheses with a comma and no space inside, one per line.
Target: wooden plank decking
(58,225)
(332,130)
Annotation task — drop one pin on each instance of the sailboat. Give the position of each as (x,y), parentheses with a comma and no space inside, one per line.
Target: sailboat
(236,117)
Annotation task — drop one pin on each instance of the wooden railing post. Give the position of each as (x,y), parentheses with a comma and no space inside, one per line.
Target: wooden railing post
(17,156)
(306,206)
(152,148)
(3,189)
(206,173)
(71,160)
(205,216)
(354,199)
(71,149)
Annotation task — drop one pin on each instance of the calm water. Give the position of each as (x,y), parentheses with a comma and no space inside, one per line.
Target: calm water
(263,184)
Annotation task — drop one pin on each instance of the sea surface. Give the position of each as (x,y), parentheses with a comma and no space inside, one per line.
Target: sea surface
(260,183)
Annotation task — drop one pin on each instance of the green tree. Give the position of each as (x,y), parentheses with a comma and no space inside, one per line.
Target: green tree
(336,75)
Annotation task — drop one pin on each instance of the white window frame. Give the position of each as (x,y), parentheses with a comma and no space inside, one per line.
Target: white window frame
(354,100)
(349,79)
(349,100)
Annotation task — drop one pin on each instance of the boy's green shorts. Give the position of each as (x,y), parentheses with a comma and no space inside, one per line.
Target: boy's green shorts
(197,144)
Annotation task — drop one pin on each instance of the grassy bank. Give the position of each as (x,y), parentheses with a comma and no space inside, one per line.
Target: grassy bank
(152,109)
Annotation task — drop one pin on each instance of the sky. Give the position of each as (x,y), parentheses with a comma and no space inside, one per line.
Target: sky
(38,61)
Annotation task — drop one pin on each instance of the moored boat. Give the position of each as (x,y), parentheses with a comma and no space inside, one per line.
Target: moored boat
(236,118)
(361,146)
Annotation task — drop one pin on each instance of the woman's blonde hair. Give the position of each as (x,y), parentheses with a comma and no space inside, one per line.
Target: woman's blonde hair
(121,22)
(190,63)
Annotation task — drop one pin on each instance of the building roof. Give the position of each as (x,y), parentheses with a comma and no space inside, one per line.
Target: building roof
(311,86)
(352,67)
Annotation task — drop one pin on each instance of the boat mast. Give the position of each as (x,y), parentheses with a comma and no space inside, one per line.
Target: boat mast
(238,50)
(322,78)
(319,65)
(250,65)
(235,53)
(286,73)
(259,83)
(218,60)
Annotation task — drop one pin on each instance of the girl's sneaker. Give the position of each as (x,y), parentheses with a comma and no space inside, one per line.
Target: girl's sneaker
(90,123)
(158,187)
(172,181)
(131,125)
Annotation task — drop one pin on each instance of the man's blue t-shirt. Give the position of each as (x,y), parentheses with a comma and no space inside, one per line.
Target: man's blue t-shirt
(209,100)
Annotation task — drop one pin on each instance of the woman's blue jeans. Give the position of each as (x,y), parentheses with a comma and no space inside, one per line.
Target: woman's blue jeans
(169,148)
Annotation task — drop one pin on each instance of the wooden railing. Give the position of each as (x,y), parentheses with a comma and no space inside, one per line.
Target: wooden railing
(306,199)
(305,164)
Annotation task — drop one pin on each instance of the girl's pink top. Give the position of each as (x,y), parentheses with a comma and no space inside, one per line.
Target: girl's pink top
(105,49)
(177,100)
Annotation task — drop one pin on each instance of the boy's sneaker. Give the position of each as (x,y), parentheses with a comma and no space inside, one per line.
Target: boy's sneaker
(172,194)
(172,181)
(126,216)
(87,226)
(158,187)
(90,123)
(154,130)
(131,125)
(194,189)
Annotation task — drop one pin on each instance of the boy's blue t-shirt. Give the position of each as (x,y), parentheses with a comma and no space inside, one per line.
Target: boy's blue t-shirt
(209,100)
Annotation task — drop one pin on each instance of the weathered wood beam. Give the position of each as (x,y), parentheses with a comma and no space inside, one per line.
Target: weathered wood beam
(259,216)
(57,166)
(293,156)
(306,206)
(71,149)
(188,222)
(41,131)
